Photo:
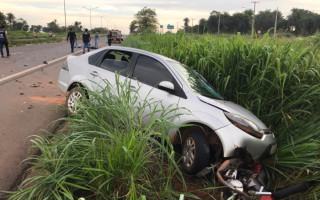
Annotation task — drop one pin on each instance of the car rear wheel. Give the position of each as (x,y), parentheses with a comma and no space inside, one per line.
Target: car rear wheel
(195,152)
(74,97)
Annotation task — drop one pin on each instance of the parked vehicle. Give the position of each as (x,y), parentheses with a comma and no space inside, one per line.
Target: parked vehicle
(216,129)
(116,36)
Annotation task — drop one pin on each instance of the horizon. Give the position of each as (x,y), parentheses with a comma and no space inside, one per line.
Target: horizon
(118,15)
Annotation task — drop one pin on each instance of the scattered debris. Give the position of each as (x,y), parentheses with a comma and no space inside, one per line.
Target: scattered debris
(50,82)
(21,93)
(30,107)
(45,62)
(25,65)
(34,85)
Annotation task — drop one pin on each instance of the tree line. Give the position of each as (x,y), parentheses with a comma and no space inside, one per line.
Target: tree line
(298,22)
(19,24)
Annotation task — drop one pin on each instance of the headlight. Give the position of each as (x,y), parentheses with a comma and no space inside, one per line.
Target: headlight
(65,66)
(245,125)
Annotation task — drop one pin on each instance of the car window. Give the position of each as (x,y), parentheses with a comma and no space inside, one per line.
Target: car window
(151,72)
(117,61)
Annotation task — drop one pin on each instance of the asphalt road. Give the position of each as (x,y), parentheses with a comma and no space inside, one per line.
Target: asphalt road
(25,57)
(28,104)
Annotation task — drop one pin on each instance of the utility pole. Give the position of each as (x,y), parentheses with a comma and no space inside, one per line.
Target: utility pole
(254,11)
(177,27)
(65,15)
(90,15)
(192,26)
(275,25)
(101,19)
(219,24)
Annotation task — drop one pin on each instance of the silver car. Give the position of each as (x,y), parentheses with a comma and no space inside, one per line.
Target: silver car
(216,127)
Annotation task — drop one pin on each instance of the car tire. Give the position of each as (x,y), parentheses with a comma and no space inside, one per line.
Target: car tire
(195,152)
(73,96)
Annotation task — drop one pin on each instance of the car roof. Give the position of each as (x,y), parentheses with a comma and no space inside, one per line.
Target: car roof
(140,51)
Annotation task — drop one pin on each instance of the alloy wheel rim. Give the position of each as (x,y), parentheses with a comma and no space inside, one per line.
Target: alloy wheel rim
(73,99)
(189,152)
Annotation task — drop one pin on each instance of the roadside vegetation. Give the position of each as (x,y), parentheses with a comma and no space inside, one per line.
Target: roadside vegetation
(104,152)
(277,80)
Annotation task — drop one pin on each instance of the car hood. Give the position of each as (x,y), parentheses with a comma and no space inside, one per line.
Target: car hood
(233,108)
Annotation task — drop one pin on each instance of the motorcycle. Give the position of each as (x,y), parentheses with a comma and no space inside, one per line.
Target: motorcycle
(247,180)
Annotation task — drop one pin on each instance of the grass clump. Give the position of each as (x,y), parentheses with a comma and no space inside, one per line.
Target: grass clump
(107,153)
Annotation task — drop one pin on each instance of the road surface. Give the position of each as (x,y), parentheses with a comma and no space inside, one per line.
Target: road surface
(28,104)
(25,57)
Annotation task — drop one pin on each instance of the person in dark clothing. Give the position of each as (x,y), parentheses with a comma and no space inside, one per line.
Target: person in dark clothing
(86,40)
(109,38)
(73,37)
(4,41)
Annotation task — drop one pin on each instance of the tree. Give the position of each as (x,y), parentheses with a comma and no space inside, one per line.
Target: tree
(186,24)
(147,20)
(52,27)
(20,25)
(77,26)
(303,21)
(36,28)
(10,18)
(202,26)
(265,20)
(133,26)
(2,19)
(242,21)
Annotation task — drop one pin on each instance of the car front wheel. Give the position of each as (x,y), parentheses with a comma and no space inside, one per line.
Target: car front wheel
(195,152)
(74,97)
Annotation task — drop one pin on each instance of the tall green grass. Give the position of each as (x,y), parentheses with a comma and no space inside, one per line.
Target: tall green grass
(104,152)
(278,80)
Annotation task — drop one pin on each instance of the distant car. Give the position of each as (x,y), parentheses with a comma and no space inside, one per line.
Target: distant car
(217,127)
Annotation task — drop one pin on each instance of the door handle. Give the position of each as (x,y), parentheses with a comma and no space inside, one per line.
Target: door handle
(94,73)
(133,87)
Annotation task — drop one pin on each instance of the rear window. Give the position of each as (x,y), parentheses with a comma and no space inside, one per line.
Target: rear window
(117,61)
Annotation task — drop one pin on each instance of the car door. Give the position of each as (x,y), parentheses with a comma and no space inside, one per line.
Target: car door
(148,73)
(103,71)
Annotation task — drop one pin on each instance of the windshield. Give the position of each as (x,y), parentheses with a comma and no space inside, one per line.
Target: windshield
(195,81)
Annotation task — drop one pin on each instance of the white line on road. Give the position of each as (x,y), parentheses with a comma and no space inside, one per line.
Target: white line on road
(36,68)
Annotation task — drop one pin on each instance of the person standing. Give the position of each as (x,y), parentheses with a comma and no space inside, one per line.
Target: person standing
(96,38)
(4,41)
(109,38)
(73,37)
(86,40)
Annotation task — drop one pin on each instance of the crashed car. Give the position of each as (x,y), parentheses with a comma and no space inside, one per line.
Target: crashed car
(216,127)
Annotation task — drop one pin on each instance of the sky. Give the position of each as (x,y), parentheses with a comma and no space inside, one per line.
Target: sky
(118,14)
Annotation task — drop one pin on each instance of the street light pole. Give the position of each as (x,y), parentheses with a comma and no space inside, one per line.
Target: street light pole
(254,11)
(65,15)
(90,14)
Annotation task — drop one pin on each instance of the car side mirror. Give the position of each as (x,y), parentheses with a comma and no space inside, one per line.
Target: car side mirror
(166,85)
